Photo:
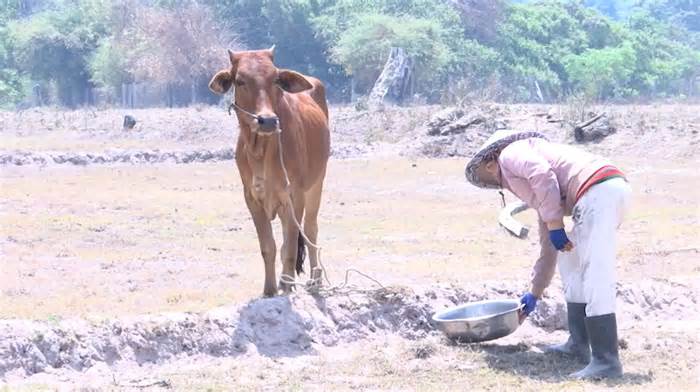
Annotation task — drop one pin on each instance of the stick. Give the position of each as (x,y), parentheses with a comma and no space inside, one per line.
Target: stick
(505,219)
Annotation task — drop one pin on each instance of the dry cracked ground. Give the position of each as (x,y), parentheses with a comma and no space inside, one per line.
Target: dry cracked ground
(129,262)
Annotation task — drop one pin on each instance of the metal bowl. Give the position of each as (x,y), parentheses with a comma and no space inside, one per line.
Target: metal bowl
(479,321)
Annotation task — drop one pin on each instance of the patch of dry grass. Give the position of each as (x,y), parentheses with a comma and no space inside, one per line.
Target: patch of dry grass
(393,365)
(112,240)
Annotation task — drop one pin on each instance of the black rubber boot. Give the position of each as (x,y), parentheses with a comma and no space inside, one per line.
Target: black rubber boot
(605,359)
(577,345)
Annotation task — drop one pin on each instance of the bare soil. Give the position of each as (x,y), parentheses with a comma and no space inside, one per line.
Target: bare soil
(134,244)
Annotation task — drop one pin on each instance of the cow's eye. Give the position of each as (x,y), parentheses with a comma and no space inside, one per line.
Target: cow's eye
(239,82)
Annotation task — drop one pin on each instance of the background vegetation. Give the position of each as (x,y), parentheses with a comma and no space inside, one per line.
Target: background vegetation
(73,52)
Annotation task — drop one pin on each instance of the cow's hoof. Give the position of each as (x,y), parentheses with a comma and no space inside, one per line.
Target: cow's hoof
(316,275)
(286,288)
(270,292)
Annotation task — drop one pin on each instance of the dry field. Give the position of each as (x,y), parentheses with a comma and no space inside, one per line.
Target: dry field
(108,241)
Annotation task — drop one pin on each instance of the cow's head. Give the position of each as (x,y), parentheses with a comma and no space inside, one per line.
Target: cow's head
(258,86)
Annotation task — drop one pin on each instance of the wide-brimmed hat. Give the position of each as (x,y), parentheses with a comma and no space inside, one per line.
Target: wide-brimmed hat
(490,150)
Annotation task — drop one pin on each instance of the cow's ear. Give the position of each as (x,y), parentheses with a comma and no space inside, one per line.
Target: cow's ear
(293,82)
(221,82)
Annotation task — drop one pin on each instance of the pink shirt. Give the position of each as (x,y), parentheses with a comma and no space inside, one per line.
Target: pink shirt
(547,177)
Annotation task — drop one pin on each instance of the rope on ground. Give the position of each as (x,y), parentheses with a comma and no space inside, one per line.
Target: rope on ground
(313,285)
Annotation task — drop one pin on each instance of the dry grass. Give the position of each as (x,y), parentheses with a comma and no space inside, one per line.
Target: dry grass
(115,240)
(110,241)
(392,364)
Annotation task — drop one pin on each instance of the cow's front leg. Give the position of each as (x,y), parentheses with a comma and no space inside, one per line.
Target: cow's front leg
(291,237)
(268,248)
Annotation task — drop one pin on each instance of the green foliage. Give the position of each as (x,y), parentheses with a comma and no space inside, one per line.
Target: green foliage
(360,34)
(11,81)
(54,45)
(12,86)
(602,72)
(566,48)
(363,49)
(108,66)
(684,13)
(8,12)
(287,24)
(536,38)
(602,48)
(342,14)
(663,64)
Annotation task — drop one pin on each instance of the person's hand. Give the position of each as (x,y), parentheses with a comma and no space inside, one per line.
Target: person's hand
(529,302)
(560,240)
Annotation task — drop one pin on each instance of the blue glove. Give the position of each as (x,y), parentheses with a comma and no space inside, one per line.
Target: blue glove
(530,301)
(558,238)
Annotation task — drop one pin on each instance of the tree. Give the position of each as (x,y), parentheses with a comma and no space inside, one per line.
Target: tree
(53,45)
(602,73)
(684,13)
(176,44)
(360,34)
(481,18)
(363,49)
(108,66)
(182,44)
(665,64)
(11,81)
(287,24)
(534,40)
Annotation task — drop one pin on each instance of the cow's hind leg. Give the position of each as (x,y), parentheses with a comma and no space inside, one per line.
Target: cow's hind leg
(313,203)
(290,246)
(268,248)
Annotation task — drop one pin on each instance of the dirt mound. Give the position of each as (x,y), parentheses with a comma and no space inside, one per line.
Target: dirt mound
(31,137)
(459,131)
(282,326)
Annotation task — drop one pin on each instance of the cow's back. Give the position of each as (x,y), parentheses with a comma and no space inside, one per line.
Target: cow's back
(304,117)
(318,93)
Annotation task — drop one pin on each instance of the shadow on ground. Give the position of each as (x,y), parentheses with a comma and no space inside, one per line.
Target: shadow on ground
(520,360)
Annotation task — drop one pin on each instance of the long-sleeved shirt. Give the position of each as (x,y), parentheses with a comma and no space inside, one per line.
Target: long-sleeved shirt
(547,177)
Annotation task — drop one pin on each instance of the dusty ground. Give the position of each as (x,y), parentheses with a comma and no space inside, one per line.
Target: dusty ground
(102,242)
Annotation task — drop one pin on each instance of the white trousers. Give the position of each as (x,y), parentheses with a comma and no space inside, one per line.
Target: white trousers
(588,271)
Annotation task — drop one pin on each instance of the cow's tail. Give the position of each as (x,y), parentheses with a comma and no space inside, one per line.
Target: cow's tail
(301,253)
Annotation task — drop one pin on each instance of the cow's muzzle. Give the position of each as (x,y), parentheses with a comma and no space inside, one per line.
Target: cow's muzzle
(267,124)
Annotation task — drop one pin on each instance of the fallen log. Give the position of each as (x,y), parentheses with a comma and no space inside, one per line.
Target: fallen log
(594,130)
(589,122)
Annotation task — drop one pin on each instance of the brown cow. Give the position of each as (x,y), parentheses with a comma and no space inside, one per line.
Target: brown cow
(268,99)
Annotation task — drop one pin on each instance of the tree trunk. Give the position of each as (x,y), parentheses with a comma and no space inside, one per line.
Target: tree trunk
(169,90)
(128,95)
(193,90)
(353,94)
(394,83)
(37,96)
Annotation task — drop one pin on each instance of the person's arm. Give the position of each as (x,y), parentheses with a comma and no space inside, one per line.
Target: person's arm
(542,273)
(546,264)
